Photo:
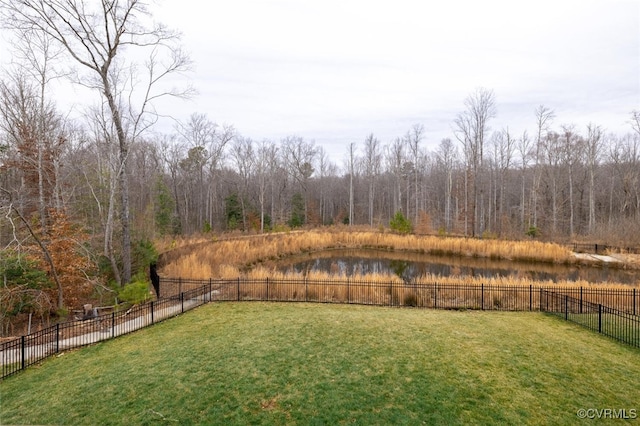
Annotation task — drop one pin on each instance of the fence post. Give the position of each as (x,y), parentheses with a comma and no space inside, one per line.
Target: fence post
(152,312)
(182,302)
(546,300)
(210,290)
(435,295)
(634,301)
(482,296)
(113,324)
(540,300)
(57,337)
(599,318)
(238,288)
(530,297)
(306,289)
(566,307)
(391,293)
(580,299)
(22,342)
(267,281)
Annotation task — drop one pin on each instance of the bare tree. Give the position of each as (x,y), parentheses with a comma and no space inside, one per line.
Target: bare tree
(104,166)
(413,139)
(325,170)
(197,133)
(372,162)
(395,160)
(265,151)
(299,156)
(171,152)
(593,147)
(210,140)
(243,155)
(92,34)
(524,146)
(624,155)
(446,156)
(571,153)
(635,121)
(552,157)
(351,162)
(544,117)
(35,132)
(471,126)
(504,146)
(37,53)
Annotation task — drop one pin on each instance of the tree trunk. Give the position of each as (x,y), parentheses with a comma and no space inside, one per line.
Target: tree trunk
(123,180)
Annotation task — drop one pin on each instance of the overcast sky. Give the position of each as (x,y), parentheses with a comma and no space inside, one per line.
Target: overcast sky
(336,70)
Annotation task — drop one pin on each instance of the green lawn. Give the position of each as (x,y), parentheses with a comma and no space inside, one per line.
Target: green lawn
(279,363)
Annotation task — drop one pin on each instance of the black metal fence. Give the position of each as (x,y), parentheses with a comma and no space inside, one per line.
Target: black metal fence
(445,296)
(17,354)
(618,308)
(598,248)
(611,322)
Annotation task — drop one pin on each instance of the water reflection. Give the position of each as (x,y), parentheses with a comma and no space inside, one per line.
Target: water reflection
(409,265)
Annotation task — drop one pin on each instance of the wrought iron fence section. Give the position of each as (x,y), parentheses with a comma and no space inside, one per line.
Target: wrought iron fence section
(599,248)
(613,312)
(611,322)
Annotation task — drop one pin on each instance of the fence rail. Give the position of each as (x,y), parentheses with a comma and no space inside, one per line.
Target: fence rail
(448,296)
(17,354)
(619,308)
(602,248)
(611,322)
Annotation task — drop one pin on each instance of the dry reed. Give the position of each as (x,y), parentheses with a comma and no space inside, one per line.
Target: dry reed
(244,251)
(230,258)
(429,291)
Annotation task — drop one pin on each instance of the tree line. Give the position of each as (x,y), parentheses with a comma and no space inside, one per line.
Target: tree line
(106,184)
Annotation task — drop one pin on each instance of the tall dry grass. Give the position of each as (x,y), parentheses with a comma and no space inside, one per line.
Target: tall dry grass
(260,273)
(210,258)
(428,291)
(240,257)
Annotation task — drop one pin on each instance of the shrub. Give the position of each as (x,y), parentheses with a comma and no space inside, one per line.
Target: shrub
(24,288)
(144,254)
(532,232)
(410,299)
(18,270)
(297,211)
(233,212)
(488,235)
(135,292)
(423,227)
(400,224)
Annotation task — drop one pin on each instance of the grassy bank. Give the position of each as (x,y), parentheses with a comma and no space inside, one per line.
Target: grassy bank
(204,259)
(331,364)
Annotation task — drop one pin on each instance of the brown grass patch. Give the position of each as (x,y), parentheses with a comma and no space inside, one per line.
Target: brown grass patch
(205,258)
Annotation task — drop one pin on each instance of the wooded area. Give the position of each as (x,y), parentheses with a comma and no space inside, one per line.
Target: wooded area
(81,199)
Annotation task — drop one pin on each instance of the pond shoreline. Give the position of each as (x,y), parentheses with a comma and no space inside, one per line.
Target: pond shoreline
(409,264)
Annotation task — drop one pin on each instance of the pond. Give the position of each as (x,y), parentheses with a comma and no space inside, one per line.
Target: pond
(408,265)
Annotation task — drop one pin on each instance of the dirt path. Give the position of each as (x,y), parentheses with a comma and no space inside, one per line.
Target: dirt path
(597,258)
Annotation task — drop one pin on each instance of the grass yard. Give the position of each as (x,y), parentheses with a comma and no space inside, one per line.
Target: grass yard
(296,363)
